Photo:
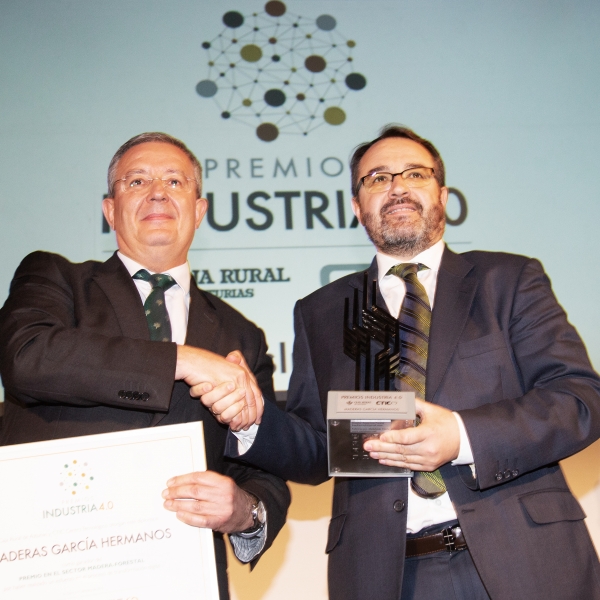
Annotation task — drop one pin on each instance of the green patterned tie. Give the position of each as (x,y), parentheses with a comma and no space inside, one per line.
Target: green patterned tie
(154,307)
(415,322)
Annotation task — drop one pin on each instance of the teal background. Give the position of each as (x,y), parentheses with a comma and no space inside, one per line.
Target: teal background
(508,91)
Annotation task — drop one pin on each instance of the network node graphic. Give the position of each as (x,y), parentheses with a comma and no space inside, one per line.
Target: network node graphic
(279,72)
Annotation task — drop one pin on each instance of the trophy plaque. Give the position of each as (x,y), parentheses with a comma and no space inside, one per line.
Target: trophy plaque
(372,340)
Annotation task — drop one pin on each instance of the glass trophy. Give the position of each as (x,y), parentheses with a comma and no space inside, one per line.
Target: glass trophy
(372,340)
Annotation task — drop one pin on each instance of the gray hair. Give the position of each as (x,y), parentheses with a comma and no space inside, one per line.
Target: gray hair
(153,136)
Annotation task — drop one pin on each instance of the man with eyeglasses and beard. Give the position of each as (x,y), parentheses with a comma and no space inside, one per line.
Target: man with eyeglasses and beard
(504,391)
(89,348)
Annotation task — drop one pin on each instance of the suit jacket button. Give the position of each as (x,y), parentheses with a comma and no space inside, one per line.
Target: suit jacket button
(136,395)
(507,474)
(499,476)
(399,505)
(145,396)
(128,394)
(515,473)
(121,394)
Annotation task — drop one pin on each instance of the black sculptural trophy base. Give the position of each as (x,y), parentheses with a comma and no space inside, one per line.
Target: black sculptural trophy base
(354,417)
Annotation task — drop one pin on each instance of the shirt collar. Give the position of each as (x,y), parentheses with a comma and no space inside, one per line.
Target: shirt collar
(431,257)
(180,274)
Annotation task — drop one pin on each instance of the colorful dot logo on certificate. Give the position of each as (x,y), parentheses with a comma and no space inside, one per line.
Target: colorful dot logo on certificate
(75,477)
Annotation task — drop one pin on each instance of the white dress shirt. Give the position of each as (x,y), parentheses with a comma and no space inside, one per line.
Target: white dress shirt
(177,301)
(422,512)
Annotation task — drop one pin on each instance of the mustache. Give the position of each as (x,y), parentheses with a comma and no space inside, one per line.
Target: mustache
(400,201)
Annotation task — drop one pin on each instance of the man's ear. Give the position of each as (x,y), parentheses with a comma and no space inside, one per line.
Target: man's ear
(108,208)
(356,209)
(444,196)
(201,208)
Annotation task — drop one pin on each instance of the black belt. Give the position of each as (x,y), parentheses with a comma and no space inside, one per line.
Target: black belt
(450,540)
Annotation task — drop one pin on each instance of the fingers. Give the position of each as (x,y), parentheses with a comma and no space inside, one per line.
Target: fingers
(254,400)
(436,441)
(207,499)
(227,387)
(235,357)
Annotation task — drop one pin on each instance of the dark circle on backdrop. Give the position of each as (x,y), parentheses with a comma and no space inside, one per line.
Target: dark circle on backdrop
(356,81)
(300,97)
(462,203)
(206,88)
(274,97)
(275,9)
(233,19)
(315,64)
(326,22)
(351,43)
(275,58)
(267,132)
(225,114)
(272,40)
(206,45)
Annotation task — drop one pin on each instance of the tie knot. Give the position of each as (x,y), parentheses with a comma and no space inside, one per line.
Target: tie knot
(403,270)
(158,280)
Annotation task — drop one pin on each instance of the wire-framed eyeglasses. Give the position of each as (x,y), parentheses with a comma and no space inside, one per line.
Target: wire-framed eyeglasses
(138,184)
(380,181)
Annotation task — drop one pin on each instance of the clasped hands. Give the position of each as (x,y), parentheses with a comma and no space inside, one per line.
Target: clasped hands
(226,386)
(427,447)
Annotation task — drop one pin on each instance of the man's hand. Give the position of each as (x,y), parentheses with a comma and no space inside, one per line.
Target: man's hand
(433,443)
(207,499)
(203,371)
(224,398)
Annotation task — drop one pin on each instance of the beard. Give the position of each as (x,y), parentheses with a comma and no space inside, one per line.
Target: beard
(402,236)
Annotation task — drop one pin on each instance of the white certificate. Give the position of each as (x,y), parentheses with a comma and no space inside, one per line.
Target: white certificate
(84,518)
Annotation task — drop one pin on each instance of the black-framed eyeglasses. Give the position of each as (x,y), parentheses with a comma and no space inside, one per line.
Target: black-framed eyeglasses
(380,181)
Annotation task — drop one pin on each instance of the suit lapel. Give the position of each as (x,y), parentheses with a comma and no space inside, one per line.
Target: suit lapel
(203,325)
(453,298)
(118,286)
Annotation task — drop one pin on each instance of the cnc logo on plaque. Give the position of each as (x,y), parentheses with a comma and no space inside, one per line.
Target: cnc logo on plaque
(280,72)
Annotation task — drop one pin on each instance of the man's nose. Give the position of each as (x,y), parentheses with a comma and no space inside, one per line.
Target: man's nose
(157,190)
(398,186)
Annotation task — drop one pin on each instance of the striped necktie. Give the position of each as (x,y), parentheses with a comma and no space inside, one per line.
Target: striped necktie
(415,323)
(155,307)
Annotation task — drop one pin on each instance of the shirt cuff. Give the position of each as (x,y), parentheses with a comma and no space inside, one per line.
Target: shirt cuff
(246,438)
(465,453)
(246,549)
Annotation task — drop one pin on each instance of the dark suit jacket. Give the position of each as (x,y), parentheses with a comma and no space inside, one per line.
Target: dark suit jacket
(73,337)
(503,355)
